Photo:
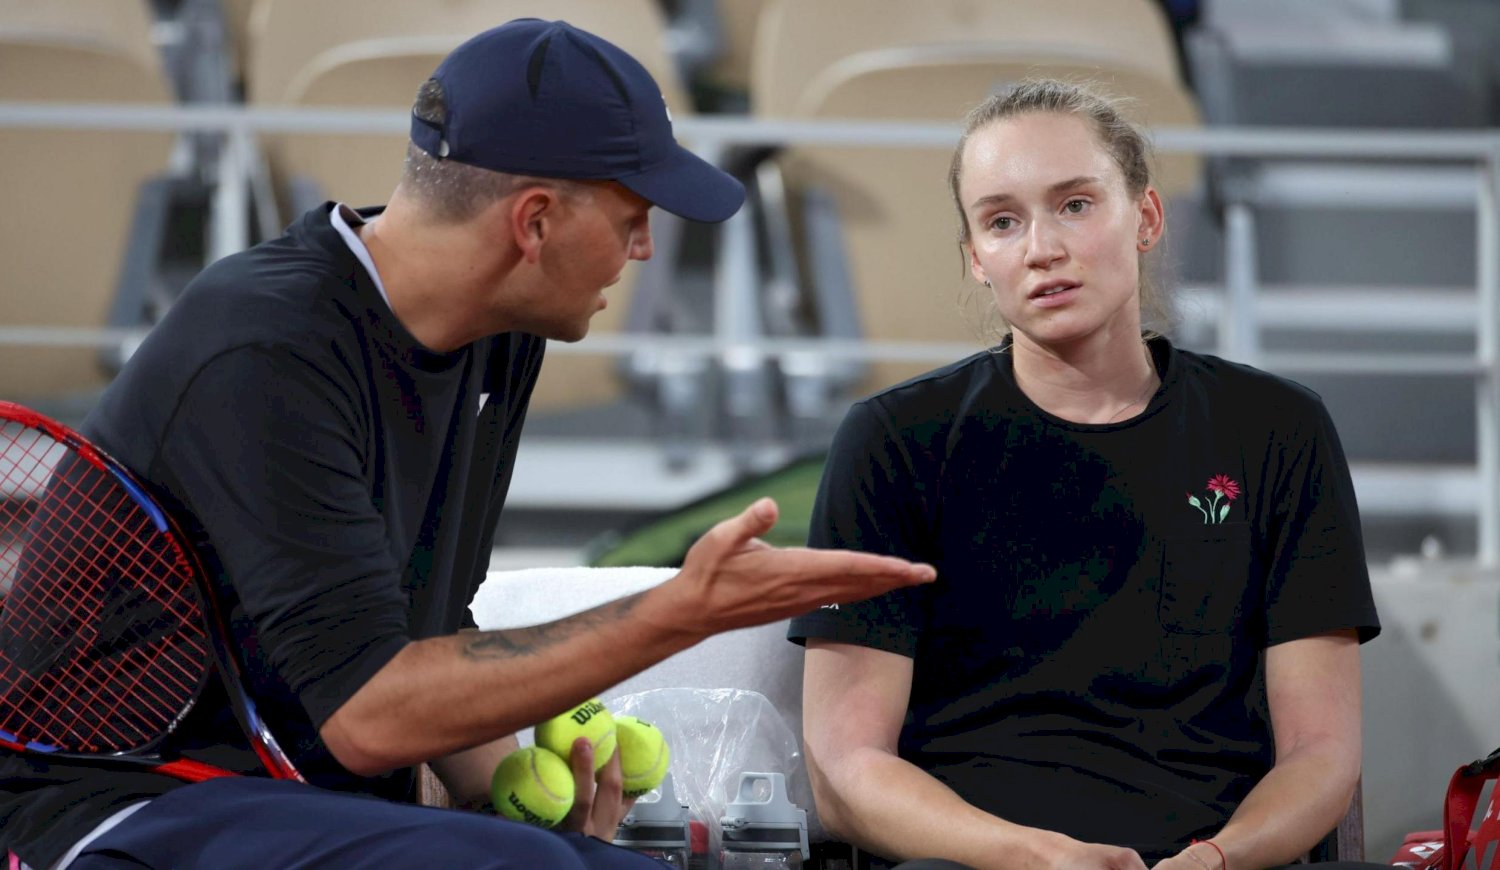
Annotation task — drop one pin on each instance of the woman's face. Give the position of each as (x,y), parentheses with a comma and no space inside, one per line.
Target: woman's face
(1054,230)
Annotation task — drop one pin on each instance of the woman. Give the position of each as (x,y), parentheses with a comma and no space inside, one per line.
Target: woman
(1143,645)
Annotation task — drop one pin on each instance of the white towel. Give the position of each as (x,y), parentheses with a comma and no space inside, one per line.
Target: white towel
(758,658)
(531,596)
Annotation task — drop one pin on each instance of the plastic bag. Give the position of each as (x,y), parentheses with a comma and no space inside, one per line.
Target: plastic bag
(715,735)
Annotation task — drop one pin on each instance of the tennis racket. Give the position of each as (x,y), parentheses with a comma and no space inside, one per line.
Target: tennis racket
(109,628)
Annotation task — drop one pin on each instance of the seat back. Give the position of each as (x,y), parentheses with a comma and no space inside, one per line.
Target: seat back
(1347,841)
(386,49)
(287,36)
(796,40)
(71,192)
(737,20)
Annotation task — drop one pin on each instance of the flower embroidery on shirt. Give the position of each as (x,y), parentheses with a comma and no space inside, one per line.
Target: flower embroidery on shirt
(1224,489)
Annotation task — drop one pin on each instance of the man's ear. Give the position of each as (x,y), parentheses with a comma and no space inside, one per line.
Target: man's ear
(532,215)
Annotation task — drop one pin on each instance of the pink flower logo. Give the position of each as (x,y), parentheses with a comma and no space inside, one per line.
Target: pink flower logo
(1221,484)
(1216,508)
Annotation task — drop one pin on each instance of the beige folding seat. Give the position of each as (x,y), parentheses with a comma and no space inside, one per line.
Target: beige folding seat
(895,62)
(70,194)
(737,20)
(237,31)
(382,52)
(795,40)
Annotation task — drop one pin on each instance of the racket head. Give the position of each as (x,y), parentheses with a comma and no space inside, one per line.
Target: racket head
(102,642)
(109,630)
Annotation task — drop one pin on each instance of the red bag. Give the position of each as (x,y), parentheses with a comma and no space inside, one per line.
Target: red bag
(1456,847)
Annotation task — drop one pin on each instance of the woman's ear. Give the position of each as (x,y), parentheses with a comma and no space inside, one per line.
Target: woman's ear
(975,268)
(1153,220)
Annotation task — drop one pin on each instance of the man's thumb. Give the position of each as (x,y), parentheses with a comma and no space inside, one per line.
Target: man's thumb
(759,517)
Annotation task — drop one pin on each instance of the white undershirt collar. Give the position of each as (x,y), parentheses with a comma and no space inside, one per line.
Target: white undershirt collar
(341,216)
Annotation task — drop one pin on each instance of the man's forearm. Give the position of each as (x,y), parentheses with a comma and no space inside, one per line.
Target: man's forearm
(442,695)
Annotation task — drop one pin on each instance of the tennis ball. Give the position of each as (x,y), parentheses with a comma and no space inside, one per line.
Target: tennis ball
(644,755)
(534,786)
(588,719)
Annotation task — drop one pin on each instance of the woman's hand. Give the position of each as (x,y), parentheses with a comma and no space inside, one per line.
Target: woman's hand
(1066,853)
(1198,856)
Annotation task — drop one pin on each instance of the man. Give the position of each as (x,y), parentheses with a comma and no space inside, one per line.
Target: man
(339,409)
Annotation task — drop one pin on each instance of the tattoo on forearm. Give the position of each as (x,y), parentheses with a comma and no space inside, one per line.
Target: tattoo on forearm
(519,642)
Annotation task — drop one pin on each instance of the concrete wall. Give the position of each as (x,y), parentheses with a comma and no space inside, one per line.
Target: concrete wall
(1431,691)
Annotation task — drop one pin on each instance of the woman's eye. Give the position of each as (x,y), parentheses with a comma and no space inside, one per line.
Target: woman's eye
(1076,206)
(1002,223)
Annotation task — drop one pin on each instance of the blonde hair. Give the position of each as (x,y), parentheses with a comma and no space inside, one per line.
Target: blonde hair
(1124,142)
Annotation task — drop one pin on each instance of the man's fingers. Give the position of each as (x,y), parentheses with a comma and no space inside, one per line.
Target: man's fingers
(843,562)
(739,530)
(610,806)
(581,761)
(916,572)
(610,778)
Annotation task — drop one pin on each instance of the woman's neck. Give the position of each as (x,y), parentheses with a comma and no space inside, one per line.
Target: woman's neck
(1098,383)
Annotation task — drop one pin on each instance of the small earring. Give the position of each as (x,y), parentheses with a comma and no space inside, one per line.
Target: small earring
(987,283)
(1145,243)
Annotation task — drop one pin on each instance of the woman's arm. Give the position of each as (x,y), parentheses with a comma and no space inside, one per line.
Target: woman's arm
(1313,686)
(854,701)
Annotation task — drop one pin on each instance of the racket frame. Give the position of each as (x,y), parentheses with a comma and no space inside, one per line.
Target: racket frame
(215,624)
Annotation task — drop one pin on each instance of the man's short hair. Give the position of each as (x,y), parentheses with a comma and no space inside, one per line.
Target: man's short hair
(451,191)
(545,99)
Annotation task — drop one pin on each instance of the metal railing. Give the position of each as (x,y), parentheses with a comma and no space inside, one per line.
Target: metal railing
(733,342)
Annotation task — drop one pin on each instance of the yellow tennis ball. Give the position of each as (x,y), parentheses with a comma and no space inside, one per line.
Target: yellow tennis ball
(644,755)
(588,719)
(534,786)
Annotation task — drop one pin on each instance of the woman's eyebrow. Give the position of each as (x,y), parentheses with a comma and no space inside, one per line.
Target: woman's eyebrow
(1059,187)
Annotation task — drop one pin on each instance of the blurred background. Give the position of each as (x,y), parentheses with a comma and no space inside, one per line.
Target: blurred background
(1331,170)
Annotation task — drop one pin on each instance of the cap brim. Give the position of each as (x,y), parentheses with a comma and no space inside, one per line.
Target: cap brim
(690,187)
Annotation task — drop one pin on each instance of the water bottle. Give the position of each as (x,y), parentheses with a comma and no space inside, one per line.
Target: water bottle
(657,826)
(762,828)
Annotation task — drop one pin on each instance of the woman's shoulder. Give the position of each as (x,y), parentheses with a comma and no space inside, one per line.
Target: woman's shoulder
(940,392)
(1244,386)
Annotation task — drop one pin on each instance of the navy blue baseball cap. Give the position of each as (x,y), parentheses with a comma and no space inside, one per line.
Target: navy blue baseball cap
(543,98)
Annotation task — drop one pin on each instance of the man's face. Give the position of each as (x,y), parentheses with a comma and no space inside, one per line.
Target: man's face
(602,227)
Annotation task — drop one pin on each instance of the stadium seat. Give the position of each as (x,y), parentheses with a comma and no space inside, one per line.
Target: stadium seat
(63,250)
(895,219)
(385,50)
(796,41)
(727,28)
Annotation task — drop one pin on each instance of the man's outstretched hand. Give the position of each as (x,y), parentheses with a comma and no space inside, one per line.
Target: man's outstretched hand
(732,579)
